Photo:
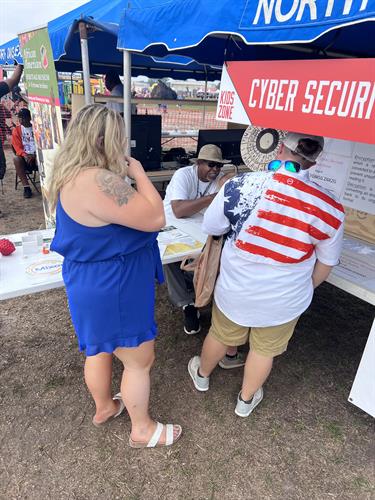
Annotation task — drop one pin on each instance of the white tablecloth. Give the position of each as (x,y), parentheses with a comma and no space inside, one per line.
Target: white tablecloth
(21,275)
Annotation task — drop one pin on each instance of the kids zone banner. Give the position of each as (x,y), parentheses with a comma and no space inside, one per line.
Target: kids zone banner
(44,104)
(333,98)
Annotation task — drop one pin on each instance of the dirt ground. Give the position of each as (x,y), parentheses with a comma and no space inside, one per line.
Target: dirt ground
(305,440)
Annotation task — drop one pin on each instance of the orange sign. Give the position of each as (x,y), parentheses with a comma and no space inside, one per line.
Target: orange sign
(334,98)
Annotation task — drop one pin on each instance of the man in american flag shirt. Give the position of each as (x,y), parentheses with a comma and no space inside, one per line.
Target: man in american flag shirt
(284,235)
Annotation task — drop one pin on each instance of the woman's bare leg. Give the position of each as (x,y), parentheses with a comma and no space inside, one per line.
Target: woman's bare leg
(135,390)
(98,376)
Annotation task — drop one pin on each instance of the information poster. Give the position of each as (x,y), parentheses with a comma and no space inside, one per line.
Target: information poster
(348,170)
(44,104)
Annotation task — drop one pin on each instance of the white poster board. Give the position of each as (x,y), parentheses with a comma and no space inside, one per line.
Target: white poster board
(363,389)
(348,170)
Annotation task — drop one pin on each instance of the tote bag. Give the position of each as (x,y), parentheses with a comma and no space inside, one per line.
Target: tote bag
(206,269)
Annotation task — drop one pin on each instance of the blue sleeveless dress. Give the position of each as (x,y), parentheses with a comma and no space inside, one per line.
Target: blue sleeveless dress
(109,274)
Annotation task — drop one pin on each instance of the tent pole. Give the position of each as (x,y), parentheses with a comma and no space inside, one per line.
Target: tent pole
(127,98)
(85,62)
(205,97)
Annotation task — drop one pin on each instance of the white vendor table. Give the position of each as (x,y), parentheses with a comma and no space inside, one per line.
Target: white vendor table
(170,135)
(356,275)
(22,275)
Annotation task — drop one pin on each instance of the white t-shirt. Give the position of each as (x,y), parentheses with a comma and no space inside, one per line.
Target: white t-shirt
(28,140)
(117,91)
(185,185)
(257,293)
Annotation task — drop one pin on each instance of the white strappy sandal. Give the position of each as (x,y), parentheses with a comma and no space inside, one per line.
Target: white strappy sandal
(154,441)
(121,408)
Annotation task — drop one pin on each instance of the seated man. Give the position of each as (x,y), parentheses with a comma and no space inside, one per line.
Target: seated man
(190,192)
(24,147)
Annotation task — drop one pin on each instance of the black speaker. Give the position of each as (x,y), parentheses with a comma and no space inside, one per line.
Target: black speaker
(146,140)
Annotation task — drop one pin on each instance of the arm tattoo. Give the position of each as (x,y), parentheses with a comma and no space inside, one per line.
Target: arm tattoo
(114,187)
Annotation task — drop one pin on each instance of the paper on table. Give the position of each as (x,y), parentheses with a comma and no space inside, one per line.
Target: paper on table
(176,241)
(357,264)
(162,249)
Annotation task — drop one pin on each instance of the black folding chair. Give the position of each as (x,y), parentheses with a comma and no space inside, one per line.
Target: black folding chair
(30,174)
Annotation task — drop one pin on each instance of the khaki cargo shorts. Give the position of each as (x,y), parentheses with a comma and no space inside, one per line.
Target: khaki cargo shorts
(267,341)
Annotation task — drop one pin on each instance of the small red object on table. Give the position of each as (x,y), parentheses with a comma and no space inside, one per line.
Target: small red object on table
(6,247)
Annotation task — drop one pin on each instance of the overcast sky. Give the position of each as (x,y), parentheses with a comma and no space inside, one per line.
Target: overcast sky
(20,15)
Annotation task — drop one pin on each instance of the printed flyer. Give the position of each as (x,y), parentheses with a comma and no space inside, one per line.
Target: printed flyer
(174,242)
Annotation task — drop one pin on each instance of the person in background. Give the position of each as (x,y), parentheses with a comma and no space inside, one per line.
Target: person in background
(5,114)
(24,147)
(191,190)
(16,94)
(285,235)
(107,233)
(113,84)
(5,87)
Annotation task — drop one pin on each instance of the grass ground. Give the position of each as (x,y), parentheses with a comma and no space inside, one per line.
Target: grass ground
(305,441)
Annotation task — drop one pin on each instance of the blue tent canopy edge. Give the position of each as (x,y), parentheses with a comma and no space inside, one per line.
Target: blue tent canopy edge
(218,30)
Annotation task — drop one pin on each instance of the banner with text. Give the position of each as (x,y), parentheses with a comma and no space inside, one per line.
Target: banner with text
(334,98)
(44,104)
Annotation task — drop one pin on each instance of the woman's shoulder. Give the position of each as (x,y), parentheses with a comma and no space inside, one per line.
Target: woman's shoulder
(81,181)
(96,177)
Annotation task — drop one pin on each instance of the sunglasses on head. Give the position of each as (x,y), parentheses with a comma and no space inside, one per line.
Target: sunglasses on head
(290,166)
(214,164)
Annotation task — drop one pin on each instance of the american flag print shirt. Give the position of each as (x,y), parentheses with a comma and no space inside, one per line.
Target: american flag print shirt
(280,218)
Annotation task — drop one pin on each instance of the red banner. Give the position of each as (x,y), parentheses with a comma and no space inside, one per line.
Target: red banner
(334,98)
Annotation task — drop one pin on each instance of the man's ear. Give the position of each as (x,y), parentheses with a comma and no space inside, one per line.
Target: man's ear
(280,151)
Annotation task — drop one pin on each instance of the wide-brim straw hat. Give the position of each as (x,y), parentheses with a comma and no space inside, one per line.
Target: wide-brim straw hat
(210,152)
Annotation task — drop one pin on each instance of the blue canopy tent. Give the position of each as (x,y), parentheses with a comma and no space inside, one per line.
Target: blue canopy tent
(9,52)
(102,24)
(97,51)
(217,30)
(93,28)
(179,67)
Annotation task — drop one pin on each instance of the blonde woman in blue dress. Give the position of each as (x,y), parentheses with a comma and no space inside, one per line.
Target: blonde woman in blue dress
(107,232)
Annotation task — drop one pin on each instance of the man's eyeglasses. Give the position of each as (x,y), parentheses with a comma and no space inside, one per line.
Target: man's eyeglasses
(290,166)
(214,164)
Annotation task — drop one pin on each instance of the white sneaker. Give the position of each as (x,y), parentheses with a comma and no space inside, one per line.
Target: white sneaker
(244,409)
(233,362)
(201,383)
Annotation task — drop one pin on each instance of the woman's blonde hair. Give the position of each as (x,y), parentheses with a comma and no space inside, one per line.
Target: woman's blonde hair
(95,138)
